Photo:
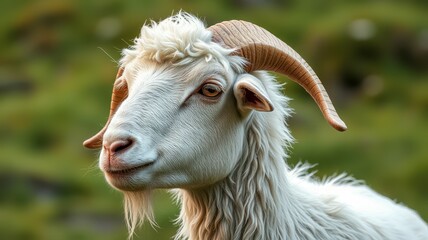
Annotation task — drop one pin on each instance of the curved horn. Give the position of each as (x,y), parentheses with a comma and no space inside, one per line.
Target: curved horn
(264,51)
(120,92)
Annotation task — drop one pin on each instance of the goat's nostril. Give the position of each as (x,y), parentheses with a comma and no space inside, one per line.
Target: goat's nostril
(120,145)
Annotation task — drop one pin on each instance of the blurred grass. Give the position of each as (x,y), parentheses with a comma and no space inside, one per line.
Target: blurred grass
(55,86)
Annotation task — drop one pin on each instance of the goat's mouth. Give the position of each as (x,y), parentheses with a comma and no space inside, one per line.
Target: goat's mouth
(127,171)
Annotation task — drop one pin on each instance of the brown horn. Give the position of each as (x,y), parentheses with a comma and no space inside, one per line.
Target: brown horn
(264,51)
(120,92)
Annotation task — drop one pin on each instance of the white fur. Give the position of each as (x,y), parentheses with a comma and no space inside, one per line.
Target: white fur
(228,168)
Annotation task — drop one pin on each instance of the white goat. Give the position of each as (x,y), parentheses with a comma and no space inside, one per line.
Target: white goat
(190,111)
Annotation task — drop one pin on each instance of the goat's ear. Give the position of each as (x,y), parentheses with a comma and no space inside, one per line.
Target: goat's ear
(251,94)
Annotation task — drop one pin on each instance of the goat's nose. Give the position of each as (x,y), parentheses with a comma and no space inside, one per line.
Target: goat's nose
(119,146)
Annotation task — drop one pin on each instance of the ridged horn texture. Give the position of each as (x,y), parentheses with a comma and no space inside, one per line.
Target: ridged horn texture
(120,92)
(264,51)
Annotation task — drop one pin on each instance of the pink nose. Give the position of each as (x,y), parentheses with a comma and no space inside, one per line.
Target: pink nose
(119,146)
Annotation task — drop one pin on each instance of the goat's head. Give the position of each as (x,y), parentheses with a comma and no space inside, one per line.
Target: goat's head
(181,99)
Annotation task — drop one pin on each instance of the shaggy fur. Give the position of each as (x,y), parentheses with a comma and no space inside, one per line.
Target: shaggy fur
(261,198)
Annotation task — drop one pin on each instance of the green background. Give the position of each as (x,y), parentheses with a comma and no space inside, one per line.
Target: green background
(57,66)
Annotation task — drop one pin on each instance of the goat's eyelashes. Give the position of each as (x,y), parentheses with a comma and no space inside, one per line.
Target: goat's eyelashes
(211,90)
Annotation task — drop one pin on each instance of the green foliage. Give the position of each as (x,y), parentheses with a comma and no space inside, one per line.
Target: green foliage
(55,86)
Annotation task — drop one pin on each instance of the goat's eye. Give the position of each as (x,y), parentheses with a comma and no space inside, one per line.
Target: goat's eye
(210,90)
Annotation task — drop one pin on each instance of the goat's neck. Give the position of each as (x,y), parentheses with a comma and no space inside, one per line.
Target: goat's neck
(249,204)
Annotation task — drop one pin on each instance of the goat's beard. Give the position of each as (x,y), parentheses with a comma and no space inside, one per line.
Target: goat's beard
(138,208)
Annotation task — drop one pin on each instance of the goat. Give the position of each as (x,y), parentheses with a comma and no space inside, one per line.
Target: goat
(194,109)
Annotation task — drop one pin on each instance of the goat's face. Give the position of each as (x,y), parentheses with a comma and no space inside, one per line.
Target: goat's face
(181,121)
(180,126)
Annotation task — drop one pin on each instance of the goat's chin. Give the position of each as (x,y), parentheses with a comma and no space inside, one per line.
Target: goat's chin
(125,183)
(138,208)
(125,186)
